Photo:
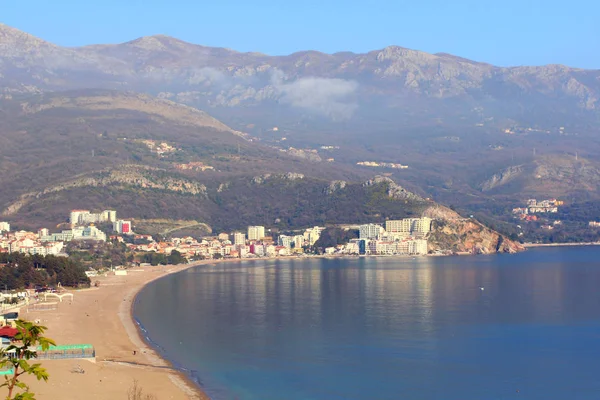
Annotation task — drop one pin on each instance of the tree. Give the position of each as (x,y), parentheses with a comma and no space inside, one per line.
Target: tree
(17,357)
(136,393)
(176,258)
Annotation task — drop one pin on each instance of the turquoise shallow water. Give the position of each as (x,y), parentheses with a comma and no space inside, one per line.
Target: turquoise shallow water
(385,328)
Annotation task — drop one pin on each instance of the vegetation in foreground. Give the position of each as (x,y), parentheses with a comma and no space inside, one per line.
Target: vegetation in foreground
(17,356)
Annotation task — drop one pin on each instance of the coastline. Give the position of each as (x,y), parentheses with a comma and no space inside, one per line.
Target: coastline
(179,378)
(103,316)
(527,245)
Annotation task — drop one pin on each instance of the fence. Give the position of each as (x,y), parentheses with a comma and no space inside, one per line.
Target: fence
(5,306)
(67,351)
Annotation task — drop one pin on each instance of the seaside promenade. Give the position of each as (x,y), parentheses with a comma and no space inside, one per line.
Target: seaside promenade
(102,317)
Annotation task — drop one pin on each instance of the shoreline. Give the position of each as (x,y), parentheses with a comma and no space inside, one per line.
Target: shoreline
(103,317)
(184,382)
(180,378)
(531,245)
(125,355)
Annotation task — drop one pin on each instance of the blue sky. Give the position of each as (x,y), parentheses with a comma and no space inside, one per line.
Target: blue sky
(508,32)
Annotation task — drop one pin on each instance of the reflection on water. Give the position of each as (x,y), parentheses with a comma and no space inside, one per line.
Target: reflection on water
(385,328)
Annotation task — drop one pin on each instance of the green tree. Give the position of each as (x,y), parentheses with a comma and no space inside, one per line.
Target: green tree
(176,258)
(17,356)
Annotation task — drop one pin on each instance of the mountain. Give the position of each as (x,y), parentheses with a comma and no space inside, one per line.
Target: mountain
(471,134)
(339,86)
(151,158)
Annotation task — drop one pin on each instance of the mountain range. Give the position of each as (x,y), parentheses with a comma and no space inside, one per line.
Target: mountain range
(475,136)
(338,86)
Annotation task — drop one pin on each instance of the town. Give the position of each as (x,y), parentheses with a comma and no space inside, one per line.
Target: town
(535,207)
(397,237)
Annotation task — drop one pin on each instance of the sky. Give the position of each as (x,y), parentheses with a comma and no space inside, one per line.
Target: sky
(504,33)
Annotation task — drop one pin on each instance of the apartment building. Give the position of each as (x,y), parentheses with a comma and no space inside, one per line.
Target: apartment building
(239,239)
(256,232)
(409,226)
(370,231)
(83,217)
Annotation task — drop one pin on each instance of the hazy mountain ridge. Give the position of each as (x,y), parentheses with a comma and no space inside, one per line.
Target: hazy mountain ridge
(334,85)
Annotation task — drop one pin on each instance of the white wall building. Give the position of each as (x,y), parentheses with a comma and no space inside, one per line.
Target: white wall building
(409,226)
(83,217)
(370,231)
(285,241)
(298,241)
(239,239)
(89,233)
(123,227)
(256,232)
(4,227)
(311,235)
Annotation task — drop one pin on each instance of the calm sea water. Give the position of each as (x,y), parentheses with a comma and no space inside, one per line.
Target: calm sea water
(386,328)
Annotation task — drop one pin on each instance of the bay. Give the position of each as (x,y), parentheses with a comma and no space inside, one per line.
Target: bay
(524,326)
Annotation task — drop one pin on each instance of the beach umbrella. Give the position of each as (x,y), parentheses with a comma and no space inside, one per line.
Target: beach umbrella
(8,332)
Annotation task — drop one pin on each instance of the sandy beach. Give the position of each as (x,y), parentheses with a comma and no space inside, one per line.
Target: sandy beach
(102,317)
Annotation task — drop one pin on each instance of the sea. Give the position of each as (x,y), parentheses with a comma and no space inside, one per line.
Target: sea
(522,326)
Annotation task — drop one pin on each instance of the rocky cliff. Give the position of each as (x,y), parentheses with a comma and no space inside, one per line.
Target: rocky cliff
(453,234)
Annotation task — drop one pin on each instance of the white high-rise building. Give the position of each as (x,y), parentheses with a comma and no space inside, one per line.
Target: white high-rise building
(311,235)
(77,216)
(4,227)
(370,231)
(239,239)
(256,232)
(298,241)
(109,216)
(83,217)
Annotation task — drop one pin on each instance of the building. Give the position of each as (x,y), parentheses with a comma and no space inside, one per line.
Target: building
(223,236)
(370,231)
(256,232)
(298,241)
(239,239)
(52,248)
(43,232)
(409,226)
(109,216)
(89,233)
(83,217)
(4,227)
(64,236)
(257,249)
(417,247)
(285,241)
(311,235)
(123,227)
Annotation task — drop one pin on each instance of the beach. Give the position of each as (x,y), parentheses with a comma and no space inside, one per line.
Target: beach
(102,316)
